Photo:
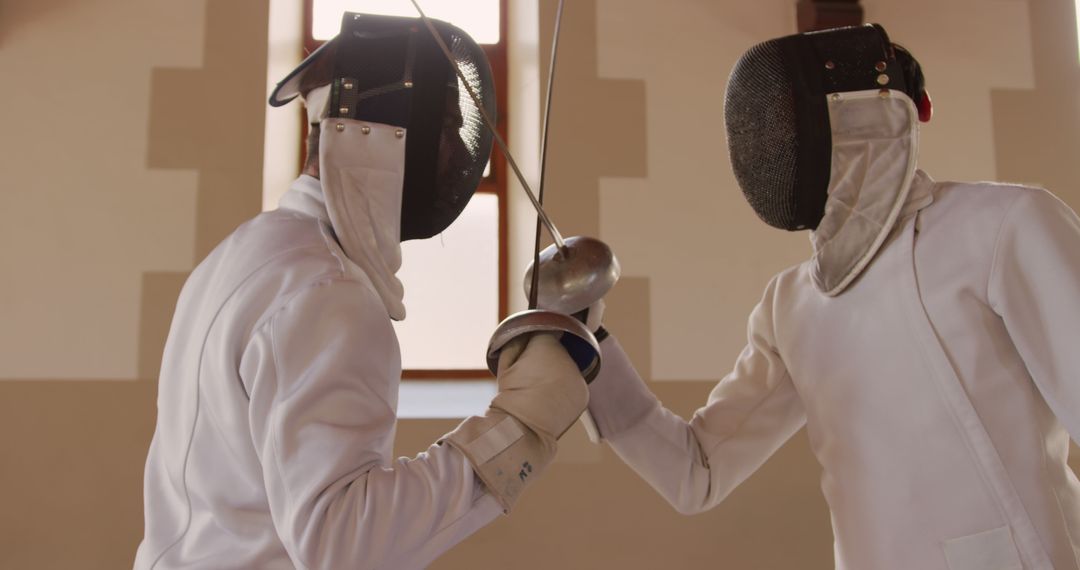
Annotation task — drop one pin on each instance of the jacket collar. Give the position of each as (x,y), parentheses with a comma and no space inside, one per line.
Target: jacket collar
(305,196)
(872,175)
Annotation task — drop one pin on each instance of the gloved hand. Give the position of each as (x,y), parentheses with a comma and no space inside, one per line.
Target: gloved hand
(539,385)
(593,317)
(541,394)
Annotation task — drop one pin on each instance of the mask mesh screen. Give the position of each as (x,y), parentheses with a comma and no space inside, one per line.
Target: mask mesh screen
(464,143)
(759,113)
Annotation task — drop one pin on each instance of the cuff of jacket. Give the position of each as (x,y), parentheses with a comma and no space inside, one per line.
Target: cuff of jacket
(618,397)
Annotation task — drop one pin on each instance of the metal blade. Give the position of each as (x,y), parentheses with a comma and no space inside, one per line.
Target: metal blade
(555,235)
(534,288)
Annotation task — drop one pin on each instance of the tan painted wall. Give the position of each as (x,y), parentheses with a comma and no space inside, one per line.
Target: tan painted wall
(78,185)
(132,143)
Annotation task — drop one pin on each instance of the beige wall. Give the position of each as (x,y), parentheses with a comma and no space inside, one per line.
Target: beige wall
(133,142)
(78,185)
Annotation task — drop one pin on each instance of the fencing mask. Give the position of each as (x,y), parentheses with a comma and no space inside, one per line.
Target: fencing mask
(402,147)
(822,135)
(390,71)
(777,117)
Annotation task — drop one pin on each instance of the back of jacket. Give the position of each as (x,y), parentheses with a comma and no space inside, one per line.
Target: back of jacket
(205,490)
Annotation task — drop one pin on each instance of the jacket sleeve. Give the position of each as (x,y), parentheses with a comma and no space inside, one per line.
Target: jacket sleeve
(1035,288)
(696,464)
(323,374)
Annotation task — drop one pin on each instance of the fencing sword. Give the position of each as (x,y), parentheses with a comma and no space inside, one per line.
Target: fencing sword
(490,124)
(533,283)
(569,276)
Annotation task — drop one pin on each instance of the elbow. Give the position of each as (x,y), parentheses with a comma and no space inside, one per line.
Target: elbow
(692,504)
(698,495)
(319,533)
(688,508)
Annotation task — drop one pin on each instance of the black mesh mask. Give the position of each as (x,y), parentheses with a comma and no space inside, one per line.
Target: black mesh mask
(777,118)
(390,70)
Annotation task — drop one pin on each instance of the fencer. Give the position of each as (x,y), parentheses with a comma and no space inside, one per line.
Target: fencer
(279,383)
(928,345)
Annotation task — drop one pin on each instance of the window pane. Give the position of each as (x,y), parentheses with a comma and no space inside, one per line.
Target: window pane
(452,291)
(479,18)
(427,400)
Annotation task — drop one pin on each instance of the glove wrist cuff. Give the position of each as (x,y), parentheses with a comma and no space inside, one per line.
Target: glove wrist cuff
(504,453)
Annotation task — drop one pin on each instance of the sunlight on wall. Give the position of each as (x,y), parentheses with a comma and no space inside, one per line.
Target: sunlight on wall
(281,143)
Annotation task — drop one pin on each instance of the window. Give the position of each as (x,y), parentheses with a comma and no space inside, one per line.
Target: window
(455,283)
(479,18)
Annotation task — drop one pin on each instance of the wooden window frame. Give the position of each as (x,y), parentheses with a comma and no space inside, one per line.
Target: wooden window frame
(495,183)
(813,15)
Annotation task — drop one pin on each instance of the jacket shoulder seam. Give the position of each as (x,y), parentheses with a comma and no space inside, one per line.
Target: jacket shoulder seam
(998,236)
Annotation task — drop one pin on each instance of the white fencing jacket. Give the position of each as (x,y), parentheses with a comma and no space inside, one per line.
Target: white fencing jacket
(276,416)
(939,392)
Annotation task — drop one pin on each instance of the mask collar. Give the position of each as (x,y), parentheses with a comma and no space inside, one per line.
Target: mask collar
(874,151)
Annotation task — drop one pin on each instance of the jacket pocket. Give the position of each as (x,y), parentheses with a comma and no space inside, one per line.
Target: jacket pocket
(989,550)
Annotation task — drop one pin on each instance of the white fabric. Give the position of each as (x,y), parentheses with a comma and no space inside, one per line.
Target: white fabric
(276,416)
(362,179)
(874,148)
(541,389)
(990,550)
(316,104)
(593,321)
(939,392)
(487,445)
(595,317)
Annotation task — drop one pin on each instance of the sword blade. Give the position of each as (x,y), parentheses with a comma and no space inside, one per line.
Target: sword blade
(534,288)
(555,235)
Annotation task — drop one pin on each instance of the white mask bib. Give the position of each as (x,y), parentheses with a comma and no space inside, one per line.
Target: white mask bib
(875,146)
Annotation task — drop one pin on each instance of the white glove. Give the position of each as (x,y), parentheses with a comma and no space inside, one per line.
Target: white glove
(541,394)
(594,316)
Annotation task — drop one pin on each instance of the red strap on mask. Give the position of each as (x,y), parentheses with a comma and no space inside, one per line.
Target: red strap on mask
(926,108)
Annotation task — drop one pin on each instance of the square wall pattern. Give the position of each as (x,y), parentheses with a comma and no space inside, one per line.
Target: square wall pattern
(119,182)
